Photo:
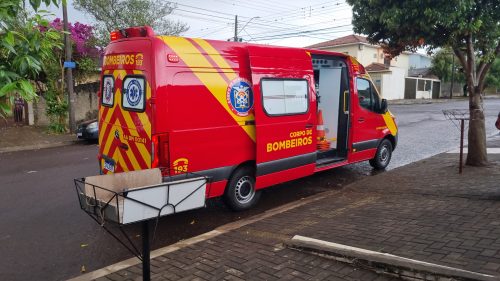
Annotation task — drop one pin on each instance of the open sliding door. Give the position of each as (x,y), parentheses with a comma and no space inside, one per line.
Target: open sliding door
(285,114)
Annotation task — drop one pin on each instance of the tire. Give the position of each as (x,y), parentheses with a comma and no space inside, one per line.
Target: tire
(383,155)
(240,192)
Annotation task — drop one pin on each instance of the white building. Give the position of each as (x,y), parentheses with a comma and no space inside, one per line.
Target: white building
(388,75)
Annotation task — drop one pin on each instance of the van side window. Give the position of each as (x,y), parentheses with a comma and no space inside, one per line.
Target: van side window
(134,93)
(367,95)
(285,96)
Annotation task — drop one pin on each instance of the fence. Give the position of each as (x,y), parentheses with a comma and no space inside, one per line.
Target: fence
(422,88)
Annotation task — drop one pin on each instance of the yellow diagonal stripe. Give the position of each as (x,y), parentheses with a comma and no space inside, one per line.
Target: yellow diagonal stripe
(128,152)
(107,144)
(105,122)
(216,57)
(140,146)
(389,122)
(214,82)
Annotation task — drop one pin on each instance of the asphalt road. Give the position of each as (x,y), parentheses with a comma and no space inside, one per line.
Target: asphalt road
(45,236)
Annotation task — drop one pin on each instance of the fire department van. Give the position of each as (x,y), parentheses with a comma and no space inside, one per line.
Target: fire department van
(247,116)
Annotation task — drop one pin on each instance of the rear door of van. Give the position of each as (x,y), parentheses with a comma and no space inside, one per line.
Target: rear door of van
(125,107)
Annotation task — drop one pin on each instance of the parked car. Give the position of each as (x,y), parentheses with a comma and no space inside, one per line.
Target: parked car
(88,130)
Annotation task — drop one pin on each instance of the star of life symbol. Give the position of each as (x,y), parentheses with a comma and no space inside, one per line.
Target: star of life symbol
(134,93)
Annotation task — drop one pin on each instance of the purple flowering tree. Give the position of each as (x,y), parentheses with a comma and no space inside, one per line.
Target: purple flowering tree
(85,51)
(85,54)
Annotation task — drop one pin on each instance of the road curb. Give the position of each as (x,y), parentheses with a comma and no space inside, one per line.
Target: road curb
(202,237)
(35,146)
(383,262)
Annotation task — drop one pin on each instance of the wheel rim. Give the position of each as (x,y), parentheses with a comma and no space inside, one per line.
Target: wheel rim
(385,154)
(244,190)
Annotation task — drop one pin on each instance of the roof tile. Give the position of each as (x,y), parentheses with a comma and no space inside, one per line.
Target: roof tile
(377,67)
(349,39)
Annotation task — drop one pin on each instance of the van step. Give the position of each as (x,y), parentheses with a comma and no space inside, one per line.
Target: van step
(329,160)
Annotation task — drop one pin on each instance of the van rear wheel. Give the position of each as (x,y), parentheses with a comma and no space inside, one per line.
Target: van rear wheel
(382,156)
(240,192)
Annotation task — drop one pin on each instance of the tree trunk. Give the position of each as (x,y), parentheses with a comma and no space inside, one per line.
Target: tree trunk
(476,155)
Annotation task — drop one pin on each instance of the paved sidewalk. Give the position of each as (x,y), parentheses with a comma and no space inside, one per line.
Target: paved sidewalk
(31,137)
(424,211)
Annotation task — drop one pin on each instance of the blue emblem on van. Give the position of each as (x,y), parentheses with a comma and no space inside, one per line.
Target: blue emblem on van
(133,93)
(239,96)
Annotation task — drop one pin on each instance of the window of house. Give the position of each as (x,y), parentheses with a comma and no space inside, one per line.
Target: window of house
(285,96)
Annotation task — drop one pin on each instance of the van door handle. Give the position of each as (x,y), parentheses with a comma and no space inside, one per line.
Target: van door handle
(361,119)
(309,126)
(123,146)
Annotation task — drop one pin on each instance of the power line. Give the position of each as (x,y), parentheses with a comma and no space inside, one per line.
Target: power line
(302,9)
(200,18)
(303,26)
(306,35)
(255,7)
(303,32)
(204,14)
(198,8)
(276,27)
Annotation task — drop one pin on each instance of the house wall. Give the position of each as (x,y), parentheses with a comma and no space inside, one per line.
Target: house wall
(377,80)
(371,54)
(86,105)
(419,61)
(393,84)
(351,50)
(402,61)
(368,55)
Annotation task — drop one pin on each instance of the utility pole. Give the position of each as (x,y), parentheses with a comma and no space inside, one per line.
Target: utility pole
(69,71)
(235,28)
(452,74)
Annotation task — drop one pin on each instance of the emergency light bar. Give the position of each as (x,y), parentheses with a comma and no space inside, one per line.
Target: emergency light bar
(136,31)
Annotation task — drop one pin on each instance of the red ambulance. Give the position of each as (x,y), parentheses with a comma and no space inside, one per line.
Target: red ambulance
(247,116)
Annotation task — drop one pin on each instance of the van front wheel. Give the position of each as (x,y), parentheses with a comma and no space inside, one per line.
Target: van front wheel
(383,155)
(240,192)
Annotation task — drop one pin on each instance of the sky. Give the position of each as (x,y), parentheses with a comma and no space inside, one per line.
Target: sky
(275,22)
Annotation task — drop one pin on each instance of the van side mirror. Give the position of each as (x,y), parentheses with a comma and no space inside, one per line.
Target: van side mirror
(383,106)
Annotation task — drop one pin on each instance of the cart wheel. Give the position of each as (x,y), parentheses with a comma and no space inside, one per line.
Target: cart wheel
(383,155)
(240,192)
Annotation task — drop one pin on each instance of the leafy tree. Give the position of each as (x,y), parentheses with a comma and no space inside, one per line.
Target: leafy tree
(23,50)
(84,50)
(85,53)
(471,28)
(493,78)
(442,63)
(117,14)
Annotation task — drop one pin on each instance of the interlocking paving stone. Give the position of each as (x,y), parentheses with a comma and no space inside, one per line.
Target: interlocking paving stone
(422,211)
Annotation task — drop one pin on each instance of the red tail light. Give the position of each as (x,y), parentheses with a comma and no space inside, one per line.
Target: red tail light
(155,153)
(159,152)
(115,35)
